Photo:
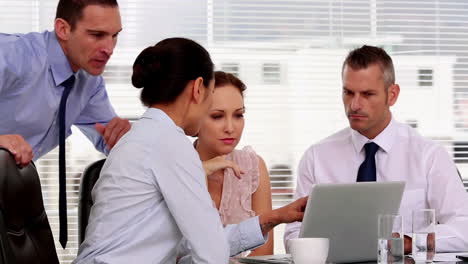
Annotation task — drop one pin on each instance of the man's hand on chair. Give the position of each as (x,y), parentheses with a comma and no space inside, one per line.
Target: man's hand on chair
(20,149)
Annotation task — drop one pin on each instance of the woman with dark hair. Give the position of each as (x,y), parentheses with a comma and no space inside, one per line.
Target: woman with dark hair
(220,132)
(151,193)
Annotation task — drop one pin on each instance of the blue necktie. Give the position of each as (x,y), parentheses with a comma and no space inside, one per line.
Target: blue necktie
(367,170)
(63,237)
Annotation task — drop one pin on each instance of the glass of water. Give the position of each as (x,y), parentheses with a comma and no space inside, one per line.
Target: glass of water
(390,239)
(424,235)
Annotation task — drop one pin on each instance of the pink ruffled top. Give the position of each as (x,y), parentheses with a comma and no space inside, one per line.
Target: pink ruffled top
(236,199)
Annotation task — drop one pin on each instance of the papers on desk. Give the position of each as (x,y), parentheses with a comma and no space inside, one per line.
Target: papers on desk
(447,257)
(272,259)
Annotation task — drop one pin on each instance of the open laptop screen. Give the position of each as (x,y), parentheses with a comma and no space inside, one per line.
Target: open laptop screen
(347,214)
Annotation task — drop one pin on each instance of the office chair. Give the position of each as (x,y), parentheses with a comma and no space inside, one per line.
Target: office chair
(25,234)
(88,179)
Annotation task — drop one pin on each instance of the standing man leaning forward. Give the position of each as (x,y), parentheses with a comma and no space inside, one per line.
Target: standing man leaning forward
(431,177)
(50,81)
(34,68)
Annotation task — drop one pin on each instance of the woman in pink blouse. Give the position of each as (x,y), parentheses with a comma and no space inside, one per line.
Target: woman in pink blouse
(238,180)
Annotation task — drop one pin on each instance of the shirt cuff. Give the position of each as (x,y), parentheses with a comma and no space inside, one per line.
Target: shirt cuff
(250,234)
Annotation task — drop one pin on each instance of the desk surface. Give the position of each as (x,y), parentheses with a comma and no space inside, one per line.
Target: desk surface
(444,258)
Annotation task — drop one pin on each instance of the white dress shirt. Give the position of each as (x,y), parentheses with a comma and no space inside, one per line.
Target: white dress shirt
(152,193)
(431,177)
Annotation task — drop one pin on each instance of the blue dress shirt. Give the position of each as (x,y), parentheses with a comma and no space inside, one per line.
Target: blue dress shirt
(151,195)
(32,68)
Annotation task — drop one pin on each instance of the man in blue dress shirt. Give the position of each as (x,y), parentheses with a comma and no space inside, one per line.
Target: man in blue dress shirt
(34,67)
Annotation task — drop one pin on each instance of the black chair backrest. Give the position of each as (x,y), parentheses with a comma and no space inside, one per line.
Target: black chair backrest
(88,179)
(25,234)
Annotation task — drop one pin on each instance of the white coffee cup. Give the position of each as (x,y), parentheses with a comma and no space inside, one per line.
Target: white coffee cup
(309,250)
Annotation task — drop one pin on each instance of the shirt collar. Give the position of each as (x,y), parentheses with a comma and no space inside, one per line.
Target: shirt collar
(385,139)
(158,114)
(59,65)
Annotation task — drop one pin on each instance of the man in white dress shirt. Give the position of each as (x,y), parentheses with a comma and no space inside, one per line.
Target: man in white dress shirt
(432,181)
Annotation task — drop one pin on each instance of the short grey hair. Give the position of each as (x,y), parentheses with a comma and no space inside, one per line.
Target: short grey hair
(365,56)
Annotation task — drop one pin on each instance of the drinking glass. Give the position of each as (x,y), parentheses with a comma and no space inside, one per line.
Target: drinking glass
(390,239)
(423,235)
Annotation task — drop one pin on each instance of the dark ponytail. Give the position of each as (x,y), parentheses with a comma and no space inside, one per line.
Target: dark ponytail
(164,70)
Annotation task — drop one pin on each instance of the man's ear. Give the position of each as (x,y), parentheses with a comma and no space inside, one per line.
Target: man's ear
(62,29)
(393,92)
(198,90)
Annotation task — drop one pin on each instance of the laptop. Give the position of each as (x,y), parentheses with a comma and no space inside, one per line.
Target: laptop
(347,214)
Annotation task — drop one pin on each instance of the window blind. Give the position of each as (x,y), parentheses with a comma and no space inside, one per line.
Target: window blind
(289,53)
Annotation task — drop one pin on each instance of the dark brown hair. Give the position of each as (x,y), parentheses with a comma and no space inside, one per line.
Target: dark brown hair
(225,78)
(163,70)
(72,10)
(365,56)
